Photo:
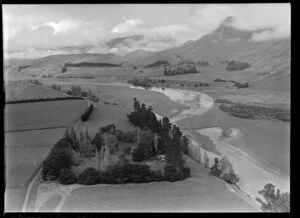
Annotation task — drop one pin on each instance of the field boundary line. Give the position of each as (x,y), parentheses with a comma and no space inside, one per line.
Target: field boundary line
(22,130)
(43,100)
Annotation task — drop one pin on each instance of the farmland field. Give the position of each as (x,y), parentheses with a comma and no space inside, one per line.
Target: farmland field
(41,137)
(43,114)
(26,150)
(19,90)
(120,103)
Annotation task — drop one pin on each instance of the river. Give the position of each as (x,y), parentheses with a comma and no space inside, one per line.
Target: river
(252,173)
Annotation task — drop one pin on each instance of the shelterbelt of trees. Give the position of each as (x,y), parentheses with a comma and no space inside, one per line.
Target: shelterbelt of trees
(91,64)
(180,70)
(170,138)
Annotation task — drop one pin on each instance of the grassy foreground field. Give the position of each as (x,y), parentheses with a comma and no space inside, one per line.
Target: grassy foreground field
(200,193)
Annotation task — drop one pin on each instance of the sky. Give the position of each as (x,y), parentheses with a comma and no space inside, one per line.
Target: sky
(33,31)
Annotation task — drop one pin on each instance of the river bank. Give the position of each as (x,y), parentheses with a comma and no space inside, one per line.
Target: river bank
(196,104)
(253,175)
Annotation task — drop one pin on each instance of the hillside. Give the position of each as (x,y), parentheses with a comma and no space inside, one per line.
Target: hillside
(269,60)
(228,43)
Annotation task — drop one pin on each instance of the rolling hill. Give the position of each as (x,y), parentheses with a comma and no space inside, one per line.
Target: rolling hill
(269,60)
(228,43)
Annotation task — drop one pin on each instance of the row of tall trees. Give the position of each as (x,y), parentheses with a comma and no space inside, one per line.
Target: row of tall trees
(180,70)
(142,116)
(170,136)
(35,82)
(143,82)
(91,64)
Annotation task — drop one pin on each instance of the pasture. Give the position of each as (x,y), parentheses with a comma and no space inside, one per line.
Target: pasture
(201,192)
(18,90)
(26,150)
(39,115)
(119,103)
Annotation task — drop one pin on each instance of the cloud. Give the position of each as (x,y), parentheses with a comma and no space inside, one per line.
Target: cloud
(50,31)
(63,25)
(208,18)
(32,53)
(134,26)
(127,25)
(247,17)
(169,29)
(124,45)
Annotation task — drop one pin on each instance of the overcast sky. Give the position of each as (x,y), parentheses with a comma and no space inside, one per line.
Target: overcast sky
(38,30)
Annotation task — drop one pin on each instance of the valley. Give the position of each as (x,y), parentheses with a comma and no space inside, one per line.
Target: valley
(181,129)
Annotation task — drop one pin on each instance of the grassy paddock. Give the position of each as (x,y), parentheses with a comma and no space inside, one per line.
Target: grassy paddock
(43,114)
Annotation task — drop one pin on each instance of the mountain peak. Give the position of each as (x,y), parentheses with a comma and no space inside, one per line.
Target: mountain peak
(227,31)
(228,21)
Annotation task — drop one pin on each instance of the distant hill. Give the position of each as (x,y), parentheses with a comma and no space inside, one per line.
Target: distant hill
(59,60)
(138,54)
(225,43)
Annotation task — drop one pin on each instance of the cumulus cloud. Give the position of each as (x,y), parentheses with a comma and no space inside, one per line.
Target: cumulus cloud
(32,53)
(127,25)
(50,33)
(208,18)
(63,25)
(134,26)
(274,17)
(130,43)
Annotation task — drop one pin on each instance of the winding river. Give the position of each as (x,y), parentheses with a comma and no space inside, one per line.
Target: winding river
(253,175)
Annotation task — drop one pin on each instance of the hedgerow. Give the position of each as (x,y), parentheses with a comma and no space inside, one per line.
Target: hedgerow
(87,113)
(43,99)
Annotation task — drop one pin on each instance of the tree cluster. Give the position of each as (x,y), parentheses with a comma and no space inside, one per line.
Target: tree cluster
(142,116)
(20,68)
(90,64)
(64,69)
(241,85)
(237,65)
(80,77)
(35,82)
(220,80)
(171,139)
(91,96)
(203,63)
(56,87)
(180,70)
(143,82)
(43,99)
(229,177)
(57,159)
(67,177)
(274,201)
(87,112)
(76,90)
